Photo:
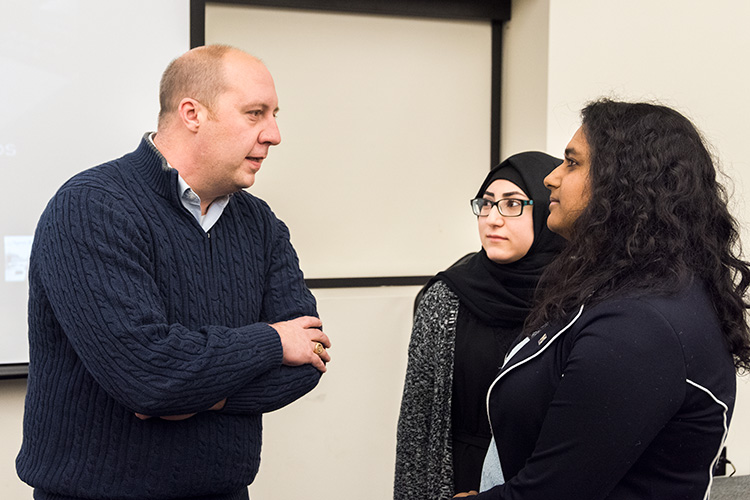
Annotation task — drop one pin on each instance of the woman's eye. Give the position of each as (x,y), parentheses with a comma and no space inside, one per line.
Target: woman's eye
(513,203)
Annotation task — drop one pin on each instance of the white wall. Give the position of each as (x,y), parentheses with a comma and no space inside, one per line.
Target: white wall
(690,55)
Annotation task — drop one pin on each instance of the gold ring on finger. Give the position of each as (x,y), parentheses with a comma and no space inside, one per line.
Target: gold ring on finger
(318,349)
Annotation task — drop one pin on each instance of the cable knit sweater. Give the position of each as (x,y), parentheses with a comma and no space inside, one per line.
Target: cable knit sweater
(134,308)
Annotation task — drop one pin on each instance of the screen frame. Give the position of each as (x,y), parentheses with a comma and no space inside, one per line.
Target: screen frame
(496,12)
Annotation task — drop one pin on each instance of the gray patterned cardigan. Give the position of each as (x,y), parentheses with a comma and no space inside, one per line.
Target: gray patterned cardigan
(424,462)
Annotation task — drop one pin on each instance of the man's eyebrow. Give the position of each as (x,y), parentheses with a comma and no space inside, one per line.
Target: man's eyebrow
(261,105)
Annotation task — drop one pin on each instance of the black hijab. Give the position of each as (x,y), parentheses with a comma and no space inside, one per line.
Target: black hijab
(502,294)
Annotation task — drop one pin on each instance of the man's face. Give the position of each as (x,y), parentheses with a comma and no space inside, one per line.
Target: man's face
(240,128)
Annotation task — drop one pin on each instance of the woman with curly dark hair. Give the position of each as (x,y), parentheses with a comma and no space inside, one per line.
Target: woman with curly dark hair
(625,384)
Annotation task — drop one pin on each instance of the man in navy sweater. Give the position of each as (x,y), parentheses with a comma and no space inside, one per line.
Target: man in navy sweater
(167,310)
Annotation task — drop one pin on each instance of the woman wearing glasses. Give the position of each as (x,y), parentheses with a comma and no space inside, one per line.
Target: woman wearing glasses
(625,384)
(466,318)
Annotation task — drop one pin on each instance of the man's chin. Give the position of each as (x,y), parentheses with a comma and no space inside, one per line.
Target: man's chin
(247,182)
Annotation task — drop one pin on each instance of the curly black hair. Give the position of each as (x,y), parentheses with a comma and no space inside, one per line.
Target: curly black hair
(657,218)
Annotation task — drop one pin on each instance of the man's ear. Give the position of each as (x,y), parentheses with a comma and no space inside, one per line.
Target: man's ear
(191,113)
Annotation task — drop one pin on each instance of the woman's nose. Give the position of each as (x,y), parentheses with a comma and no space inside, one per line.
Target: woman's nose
(552,180)
(494,217)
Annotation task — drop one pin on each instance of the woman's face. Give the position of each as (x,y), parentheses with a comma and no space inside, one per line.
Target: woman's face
(569,186)
(506,239)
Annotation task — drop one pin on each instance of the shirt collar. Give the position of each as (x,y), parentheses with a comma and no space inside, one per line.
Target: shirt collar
(192,202)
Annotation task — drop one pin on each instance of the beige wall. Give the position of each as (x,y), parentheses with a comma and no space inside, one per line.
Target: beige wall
(343,434)
(524,80)
(385,134)
(686,54)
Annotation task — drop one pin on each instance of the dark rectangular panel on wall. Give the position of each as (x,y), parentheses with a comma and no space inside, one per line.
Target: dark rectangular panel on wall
(317,283)
(493,10)
(497,75)
(15,370)
(480,10)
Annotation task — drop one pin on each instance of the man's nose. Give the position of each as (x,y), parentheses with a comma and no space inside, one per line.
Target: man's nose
(270,134)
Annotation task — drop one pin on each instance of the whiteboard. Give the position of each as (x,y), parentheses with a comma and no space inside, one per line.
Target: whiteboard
(79,86)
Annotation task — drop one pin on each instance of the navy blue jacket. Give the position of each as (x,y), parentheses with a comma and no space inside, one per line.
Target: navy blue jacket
(134,308)
(631,399)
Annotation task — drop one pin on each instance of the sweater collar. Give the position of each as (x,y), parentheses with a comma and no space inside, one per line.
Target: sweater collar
(152,167)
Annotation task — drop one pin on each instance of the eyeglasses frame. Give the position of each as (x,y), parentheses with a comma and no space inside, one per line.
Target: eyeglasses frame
(496,204)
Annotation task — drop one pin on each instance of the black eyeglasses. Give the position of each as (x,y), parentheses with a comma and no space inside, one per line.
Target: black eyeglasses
(507,207)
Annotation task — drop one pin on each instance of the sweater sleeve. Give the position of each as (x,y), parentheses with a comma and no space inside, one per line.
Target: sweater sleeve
(424,465)
(285,297)
(621,383)
(274,389)
(93,263)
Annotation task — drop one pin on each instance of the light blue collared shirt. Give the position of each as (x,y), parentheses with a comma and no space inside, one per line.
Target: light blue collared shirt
(192,201)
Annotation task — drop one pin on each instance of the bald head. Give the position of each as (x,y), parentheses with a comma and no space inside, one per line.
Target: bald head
(217,119)
(199,74)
